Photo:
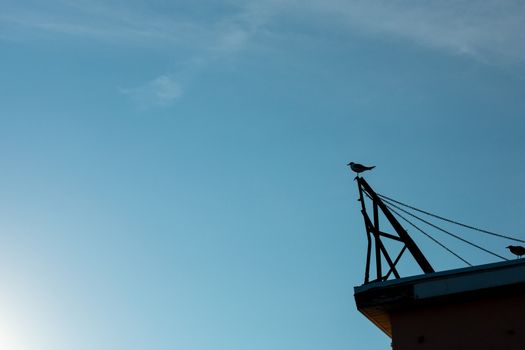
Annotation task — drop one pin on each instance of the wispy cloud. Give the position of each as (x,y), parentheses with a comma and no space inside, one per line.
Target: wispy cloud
(99,22)
(159,92)
(136,23)
(483,29)
(480,28)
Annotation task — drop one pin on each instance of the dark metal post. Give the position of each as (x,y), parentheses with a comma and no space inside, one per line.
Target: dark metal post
(369,246)
(377,240)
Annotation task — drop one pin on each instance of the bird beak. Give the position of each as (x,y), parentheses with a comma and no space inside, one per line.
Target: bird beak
(508,246)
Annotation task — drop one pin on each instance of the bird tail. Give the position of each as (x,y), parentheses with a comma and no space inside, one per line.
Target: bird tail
(370,167)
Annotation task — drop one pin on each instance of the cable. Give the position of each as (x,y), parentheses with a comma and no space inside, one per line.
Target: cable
(428,235)
(423,232)
(444,231)
(452,221)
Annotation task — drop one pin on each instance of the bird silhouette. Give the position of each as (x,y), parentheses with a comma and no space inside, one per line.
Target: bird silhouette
(359,168)
(517,250)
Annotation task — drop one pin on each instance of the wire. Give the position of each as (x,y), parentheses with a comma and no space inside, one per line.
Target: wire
(452,221)
(423,232)
(428,235)
(444,231)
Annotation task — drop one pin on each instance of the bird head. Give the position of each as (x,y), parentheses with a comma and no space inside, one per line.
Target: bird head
(349,164)
(509,247)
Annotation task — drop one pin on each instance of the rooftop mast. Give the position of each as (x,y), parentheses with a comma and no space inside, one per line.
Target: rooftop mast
(373,230)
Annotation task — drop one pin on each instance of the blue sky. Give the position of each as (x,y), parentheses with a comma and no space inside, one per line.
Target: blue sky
(173,174)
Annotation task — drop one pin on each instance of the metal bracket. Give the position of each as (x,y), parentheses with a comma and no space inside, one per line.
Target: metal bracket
(373,232)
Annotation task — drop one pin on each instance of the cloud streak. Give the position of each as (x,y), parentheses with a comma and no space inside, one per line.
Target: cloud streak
(132,24)
(160,92)
(483,29)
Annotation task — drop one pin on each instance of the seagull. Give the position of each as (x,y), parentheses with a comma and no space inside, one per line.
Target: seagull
(359,168)
(517,250)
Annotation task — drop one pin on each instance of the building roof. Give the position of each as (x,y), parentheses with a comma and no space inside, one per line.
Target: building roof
(377,300)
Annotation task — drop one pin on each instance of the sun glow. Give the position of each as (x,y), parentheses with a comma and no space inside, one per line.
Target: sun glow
(9,323)
(7,339)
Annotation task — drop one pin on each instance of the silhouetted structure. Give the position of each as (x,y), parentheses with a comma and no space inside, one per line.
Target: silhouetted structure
(373,231)
(478,307)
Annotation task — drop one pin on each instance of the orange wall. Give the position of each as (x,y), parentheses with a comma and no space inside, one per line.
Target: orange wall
(495,324)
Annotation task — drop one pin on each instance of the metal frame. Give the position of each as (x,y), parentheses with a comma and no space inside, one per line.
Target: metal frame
(374,233)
